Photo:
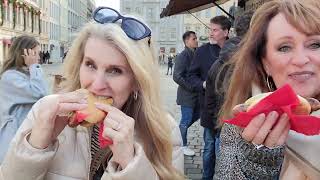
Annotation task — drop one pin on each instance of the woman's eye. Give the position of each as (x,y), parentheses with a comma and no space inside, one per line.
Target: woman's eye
(114,71)
(90,65)
(315,45)
(284,48)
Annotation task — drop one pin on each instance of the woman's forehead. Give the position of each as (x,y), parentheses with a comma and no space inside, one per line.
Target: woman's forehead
(104,52)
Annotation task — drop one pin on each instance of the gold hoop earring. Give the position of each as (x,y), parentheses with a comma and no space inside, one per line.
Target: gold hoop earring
(269,83)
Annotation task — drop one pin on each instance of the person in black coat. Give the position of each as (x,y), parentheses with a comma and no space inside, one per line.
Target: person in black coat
(186,95)
(204,57)
(218,75)
(170,63)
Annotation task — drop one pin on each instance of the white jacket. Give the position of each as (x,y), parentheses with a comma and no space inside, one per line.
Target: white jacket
(69,157)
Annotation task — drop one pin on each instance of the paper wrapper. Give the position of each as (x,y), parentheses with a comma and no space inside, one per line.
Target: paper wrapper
(282,100)
(103,142)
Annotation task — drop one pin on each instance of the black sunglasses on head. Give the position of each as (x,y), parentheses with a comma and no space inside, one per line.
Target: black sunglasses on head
(134,28)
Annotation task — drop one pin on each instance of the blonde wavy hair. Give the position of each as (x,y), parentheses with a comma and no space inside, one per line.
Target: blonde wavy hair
(152,125)
(247,61)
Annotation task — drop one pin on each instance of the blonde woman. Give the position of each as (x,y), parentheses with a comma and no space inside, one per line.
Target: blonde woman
(281,47)
(111,57)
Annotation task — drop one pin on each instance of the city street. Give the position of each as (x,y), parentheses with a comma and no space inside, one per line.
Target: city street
(193,165)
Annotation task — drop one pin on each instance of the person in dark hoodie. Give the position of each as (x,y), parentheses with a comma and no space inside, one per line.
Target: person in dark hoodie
(187,97)
(215,89)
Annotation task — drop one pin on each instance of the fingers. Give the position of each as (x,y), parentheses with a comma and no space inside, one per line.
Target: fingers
(78,96)
(265,128)
(109,122)
(239,108)
(70,107)
(284,135)
(253,127)
(277,131)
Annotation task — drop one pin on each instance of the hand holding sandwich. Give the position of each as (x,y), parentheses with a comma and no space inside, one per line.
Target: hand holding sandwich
(51,116)
(263,129)
(120,128)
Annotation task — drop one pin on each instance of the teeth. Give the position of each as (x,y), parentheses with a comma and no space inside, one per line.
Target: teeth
(102,97)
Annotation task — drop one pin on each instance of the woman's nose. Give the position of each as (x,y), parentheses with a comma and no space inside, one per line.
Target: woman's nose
(99,82)
(300,57)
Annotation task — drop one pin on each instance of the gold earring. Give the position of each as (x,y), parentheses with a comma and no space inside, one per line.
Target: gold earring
(269,83)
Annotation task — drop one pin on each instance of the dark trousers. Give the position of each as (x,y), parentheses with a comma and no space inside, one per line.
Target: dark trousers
(189,115)
(169,68)
(210,152)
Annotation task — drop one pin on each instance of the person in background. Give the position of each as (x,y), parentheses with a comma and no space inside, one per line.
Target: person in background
(112,59)
(171,57)
(187,97)
(204,57)
(215,89)
(22,83)
(282,46)
(47,57)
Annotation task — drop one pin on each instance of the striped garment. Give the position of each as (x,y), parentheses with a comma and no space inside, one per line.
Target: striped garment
(99,156)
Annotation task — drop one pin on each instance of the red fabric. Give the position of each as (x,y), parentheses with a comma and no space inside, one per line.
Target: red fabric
(79,117)
(281,100)
(104,142)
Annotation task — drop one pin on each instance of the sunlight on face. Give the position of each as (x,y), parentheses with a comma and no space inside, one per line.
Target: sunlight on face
(105,71)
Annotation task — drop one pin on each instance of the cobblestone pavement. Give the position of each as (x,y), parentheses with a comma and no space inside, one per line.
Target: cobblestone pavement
(192,165)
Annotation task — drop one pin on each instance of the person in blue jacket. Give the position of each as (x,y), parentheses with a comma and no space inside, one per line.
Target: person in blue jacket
(21,85)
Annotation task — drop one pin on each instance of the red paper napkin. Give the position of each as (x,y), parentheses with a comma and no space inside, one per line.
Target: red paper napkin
(281,100)
(103,142)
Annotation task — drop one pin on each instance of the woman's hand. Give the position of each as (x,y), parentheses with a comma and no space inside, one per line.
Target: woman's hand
(120,128)
(262,129)
(51,116)
(30,57)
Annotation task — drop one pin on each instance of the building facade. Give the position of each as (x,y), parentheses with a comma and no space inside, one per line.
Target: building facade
(167,32)
(52,22)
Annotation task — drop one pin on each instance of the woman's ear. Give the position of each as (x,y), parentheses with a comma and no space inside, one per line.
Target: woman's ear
(226,33)
(266,66)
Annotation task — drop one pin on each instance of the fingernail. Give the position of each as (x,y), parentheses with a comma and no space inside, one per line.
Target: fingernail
(262,115)
(284,115)
(244,107)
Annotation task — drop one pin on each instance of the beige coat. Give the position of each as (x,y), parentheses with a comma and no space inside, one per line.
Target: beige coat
(69,157)
(302,159)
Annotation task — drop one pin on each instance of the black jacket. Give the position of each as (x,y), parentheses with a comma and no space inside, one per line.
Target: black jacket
(214,99)
(204,57)
(186,94)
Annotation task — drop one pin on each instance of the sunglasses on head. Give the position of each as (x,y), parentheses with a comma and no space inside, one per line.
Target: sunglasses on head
(134,28)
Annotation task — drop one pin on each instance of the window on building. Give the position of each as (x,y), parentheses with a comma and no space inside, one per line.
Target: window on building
(172,35)
(128,10)
(188,27)
(138,10)
(150,13)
